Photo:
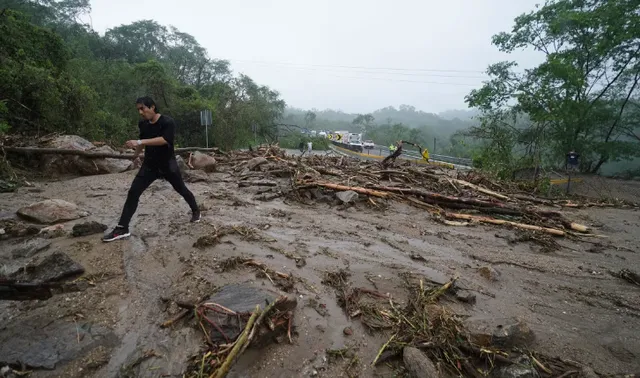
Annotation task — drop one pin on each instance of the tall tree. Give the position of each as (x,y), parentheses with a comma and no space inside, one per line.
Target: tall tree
(578,97)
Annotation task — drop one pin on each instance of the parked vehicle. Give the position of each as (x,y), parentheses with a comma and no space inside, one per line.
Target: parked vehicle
(368,144)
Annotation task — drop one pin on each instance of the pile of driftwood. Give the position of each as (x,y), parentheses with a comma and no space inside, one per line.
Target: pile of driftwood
(452,197)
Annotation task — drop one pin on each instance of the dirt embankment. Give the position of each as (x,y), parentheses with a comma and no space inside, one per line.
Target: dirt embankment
(561,289)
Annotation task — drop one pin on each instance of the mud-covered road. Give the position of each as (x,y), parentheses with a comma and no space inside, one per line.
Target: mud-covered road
(575,307)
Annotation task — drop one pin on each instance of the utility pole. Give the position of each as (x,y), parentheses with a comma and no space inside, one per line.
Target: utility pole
(206,121)
(434,145)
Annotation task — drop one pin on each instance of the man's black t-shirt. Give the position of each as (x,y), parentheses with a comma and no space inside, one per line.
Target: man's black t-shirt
(158,156)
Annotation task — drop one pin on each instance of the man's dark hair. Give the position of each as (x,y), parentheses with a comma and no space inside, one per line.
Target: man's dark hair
(148,102)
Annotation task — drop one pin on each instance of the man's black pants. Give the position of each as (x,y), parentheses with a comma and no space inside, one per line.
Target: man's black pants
(144,178)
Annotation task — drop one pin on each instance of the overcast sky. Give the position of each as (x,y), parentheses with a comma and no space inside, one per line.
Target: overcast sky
(353,55)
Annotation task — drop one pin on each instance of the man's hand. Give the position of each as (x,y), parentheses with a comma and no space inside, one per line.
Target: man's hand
(131,144)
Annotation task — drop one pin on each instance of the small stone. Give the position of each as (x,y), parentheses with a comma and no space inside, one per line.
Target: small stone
(489,273)
(347,331)
(88,228)
(418,364)
(466,297)
(500,332)
(347,196)
(314,373)
(522,368)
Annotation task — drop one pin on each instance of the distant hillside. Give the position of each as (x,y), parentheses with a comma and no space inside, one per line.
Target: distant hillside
(465,115)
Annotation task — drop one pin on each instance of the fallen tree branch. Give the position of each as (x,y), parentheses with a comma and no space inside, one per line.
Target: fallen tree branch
(481,189)
(237,347)
(475,218)
(356,189)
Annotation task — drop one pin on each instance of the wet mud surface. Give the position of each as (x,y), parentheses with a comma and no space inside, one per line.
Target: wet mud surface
(567,296)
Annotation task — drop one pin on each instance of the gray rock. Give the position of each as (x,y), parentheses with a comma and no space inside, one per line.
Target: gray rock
(254,163)
(181,164)
(46,348)
(588,372)
(53,267)
(522,368)
(51,211)
(500,332)
(347,196)
(418,364)
(88,228)
(30,248)
(489,273)
(466,297)
(194,176)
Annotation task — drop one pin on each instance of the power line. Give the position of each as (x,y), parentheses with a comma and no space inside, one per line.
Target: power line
(355,67)
(395,80)
(370,72)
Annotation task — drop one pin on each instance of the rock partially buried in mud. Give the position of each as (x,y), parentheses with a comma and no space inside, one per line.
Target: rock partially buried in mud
(51,211)
(46,348)
(30,248)
(347,196)
(88,228)
(418,364)
(522,368)
(80,164)
(489,273)
(256,162)
(242,298)
(54,267)
(16,229)
(500,332)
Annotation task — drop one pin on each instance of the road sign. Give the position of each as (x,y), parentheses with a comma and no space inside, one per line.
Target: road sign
(339,137)
(330,136)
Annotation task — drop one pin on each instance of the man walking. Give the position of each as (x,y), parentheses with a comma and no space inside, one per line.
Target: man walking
(157,134)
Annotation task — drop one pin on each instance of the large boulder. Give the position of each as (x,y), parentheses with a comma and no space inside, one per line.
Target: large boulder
(80,164)
(51,211)
(203,161)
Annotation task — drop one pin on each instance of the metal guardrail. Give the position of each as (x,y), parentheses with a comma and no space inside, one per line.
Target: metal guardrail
(442,158)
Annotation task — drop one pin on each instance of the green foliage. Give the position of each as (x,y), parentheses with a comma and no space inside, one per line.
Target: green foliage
(581,97)
(57,75)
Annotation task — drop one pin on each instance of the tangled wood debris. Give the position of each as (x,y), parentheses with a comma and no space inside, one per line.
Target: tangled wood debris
(425,324)
(221,353)
(449,196)
(284,281)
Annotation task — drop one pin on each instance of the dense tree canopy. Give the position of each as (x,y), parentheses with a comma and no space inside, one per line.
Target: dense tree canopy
(58,75)
(584,96)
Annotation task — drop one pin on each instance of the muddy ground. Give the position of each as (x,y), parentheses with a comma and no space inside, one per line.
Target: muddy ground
(576,309)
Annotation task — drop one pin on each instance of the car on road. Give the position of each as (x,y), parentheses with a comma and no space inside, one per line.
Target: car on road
(368,144)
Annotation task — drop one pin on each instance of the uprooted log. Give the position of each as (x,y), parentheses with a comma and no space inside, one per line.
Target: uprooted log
(93,155)
(426,199)
(475,218)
